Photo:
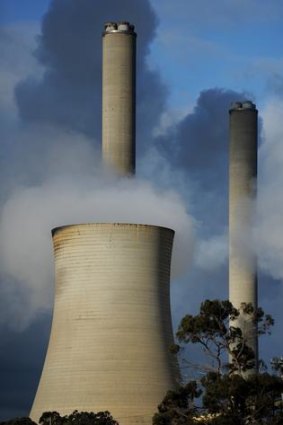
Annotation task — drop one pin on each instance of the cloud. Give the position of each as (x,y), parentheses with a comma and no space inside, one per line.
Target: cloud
(205,130)
(16,42)
(210,254)
(21,358)
(197,147)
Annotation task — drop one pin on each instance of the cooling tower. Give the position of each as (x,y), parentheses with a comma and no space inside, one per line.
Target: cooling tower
(111,328)
(242,188)
(118,97)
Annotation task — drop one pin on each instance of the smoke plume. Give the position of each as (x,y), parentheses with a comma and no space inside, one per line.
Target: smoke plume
(270,202)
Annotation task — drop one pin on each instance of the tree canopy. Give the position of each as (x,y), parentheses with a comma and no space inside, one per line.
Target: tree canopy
(223,394)
(75,418)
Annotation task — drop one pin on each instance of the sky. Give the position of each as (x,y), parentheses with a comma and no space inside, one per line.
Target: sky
(193,59)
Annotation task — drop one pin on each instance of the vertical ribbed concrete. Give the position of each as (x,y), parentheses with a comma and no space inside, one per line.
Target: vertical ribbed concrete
(111,328)
(118,97)
(242,189)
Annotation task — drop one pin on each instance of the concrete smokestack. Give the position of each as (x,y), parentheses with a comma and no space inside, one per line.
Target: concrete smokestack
(118,97)
(111,327)
(242,190)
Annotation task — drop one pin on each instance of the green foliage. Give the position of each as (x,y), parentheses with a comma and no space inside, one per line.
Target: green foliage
(212,330)
(77,418)
(254,399)
(176,408)
(224,395)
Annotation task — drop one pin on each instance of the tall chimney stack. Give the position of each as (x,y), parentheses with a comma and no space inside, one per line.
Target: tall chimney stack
(118,97)
(242,191)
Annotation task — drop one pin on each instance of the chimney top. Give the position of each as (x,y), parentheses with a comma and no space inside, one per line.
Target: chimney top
(242,106)
(119,27)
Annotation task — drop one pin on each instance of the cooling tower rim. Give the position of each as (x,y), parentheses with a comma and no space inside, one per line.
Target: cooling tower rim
(111,225)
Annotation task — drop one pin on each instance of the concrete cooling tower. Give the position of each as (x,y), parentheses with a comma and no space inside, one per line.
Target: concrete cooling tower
(242,189)
(111,329)
(118,97)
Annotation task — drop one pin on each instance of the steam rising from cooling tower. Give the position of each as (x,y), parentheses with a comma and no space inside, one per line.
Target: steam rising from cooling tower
(242,188)
(111,328)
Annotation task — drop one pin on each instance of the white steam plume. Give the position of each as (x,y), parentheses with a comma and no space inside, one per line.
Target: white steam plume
(71,192)
(269,229)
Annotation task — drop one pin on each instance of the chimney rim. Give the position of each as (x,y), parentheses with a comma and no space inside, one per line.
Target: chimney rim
(112,27)
(244,105)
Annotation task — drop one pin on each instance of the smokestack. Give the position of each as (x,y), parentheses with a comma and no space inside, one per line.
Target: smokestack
(111,328)
(242,190)
(118,97)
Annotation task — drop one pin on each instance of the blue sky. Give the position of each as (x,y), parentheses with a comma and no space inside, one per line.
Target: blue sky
(230,44)
(194,58)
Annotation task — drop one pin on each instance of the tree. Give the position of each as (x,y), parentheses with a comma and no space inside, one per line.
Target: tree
(225,394)
(212,330)
(277,365)
(75,418)
(176,408)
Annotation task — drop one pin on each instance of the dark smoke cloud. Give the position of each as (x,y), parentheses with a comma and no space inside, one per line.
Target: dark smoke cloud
(198,145)
(200,141)
(21,358)
(69,94)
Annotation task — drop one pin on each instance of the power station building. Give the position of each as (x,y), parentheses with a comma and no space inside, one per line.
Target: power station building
(242,192)
(111,328)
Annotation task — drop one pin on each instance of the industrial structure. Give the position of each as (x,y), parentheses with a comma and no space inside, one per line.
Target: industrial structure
(118,97)
(242,191)
(111,328)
